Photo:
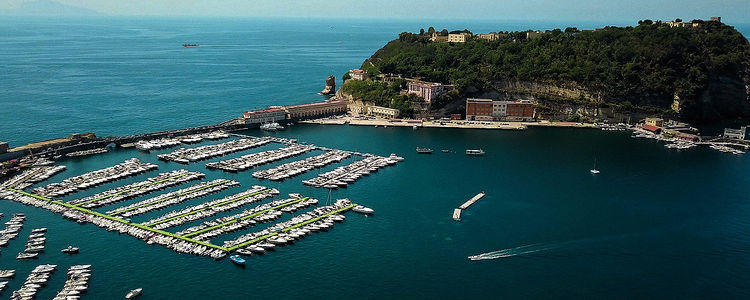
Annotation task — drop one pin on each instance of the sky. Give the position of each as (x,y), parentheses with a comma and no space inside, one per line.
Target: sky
(737,11)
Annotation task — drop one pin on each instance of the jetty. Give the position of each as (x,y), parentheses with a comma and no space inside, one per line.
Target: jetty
(467,204)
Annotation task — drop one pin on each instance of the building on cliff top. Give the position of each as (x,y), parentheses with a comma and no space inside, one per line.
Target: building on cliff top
(358,74)
(461,37)
(437,38)
(428,90)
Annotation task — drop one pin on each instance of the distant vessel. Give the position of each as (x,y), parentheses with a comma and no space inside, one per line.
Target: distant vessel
(190,45)
(134,293)
(70,250)
(475,152)
(424,150)
(445,151)
(594,170)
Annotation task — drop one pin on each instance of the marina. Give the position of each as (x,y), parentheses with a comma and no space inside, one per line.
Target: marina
(188,155)
(250,161)
(128,168)
(295,168)
(343,176)
(162,181)
(210,208)
(164,200)
(32,176)
(34,282)
(77,283)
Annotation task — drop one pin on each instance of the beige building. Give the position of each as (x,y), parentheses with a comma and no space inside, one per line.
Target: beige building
(492,36)
(658,122)
(316,110)
(358,74)
(437,38)
(533,34)
(264,116)
(383,112)
(459,37)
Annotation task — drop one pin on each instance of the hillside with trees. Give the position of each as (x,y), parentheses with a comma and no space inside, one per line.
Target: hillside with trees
(647,66)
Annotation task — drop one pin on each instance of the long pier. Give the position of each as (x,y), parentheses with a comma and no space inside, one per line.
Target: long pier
(457,211)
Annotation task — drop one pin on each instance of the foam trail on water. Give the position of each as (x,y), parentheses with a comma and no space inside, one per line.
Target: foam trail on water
(510,252)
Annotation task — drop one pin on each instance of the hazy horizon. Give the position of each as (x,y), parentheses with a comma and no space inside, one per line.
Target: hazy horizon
(617,11)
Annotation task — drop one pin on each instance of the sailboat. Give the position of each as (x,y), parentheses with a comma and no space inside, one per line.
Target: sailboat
(594,170)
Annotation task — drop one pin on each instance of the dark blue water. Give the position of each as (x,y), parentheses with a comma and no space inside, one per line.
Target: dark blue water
(655,224)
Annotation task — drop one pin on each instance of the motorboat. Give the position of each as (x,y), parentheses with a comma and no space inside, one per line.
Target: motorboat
(363,210)
(70,250)
(475,152)
(134,293)
(237,259)
(421,150)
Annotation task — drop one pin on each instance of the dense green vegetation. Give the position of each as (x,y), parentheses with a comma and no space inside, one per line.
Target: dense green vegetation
(382,94)
(636,64)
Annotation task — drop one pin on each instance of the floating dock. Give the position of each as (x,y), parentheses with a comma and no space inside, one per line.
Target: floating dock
(457,211)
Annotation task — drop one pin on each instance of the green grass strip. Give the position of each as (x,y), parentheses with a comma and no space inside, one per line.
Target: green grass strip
(245,217)
(212,206)
(255,240)
(120,220)
(131,189)
(169,198)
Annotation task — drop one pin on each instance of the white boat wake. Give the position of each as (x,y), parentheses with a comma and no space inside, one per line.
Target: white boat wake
(510,252)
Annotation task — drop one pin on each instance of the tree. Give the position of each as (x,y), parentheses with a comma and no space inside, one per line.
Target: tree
(444,32)
(678,20)
(430,30)
(421,31)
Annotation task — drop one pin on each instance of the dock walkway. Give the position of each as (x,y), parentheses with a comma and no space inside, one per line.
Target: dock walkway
(467,204)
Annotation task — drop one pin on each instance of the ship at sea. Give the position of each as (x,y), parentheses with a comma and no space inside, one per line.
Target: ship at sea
(190,45)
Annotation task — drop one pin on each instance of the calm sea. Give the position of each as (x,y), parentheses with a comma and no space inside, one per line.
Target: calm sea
(656,223)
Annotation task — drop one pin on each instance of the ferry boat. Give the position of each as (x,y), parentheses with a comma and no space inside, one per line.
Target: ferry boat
(424,150)
(475,152)
(237,259)
(134,293)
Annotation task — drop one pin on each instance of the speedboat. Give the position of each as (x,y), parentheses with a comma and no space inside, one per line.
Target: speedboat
(237,259)
(475,152)
(363,210)
(70,250)
(24,255)
(595,171)
(424,150)
(134,293)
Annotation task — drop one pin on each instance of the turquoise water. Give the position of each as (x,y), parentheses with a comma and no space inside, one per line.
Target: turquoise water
(655,224)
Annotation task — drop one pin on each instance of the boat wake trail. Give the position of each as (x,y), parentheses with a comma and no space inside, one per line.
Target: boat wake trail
(510,252)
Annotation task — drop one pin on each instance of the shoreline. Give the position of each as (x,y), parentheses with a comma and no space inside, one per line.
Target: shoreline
(457,124)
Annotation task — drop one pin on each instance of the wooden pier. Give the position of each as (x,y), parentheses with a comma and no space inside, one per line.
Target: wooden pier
(457,211)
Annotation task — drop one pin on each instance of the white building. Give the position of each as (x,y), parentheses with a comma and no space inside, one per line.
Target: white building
(264,116)
(458,37)
(358,74)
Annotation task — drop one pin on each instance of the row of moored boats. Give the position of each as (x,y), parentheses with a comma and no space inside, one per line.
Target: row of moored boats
(342,176)
(31,176)
(164,200)
(12,227)
(188,155)
(295,168)
(162,181)
(256,159)
(210,208)
(155,144)
(122,170)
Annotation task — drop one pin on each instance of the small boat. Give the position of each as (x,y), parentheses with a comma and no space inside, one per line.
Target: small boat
(70,250)
(24,255)
(475,152)
(190,45)
(424,150)
(363,210)
(134,293)
(594,170)
(445,151)
(237,259)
